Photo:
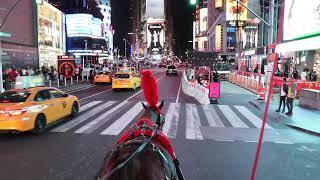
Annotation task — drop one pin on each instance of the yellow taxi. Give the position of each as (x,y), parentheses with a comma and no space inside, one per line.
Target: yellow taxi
(103,77)
(34,108)
(126,80)
(125,69)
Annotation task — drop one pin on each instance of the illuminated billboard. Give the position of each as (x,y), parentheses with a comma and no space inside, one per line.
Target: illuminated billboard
(97,28)
(155,9)
(218,34)
(50,34)
(218,3)
(84,25)
(79,25)
(155,38)
(301,19)
(203,19)
(236,12)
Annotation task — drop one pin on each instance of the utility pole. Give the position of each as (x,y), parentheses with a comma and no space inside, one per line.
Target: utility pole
(85,47)
(269,80)
(125,48)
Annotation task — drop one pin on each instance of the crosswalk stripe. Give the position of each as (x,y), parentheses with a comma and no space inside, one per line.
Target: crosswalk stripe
(193,123)
(172,117)
(251,117)
(123,121)
(89,105)
(83,117)
(105,117)
(213,118)
(232,117)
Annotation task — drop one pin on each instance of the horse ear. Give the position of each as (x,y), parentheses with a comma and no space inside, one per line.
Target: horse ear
(144,106)
(161,105)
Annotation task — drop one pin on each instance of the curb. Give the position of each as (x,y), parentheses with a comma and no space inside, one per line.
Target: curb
(302,129)
(256,104)
(244,88)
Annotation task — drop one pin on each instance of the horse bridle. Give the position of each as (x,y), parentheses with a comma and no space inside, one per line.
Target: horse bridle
(158,126)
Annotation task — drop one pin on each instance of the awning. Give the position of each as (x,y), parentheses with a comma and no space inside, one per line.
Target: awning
(299,45)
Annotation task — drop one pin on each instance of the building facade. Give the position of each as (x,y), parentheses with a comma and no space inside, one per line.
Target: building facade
(200,27)
(152,28)
(21,49)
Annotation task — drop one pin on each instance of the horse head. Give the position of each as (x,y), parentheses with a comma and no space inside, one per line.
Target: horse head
(154,114)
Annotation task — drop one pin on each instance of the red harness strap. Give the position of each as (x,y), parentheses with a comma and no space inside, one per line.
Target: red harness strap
(159,136)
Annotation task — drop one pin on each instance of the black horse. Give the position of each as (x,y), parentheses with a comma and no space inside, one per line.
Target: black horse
(142,157)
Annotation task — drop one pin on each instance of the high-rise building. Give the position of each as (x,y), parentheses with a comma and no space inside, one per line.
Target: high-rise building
(86,31)
(152,28)
(19,50)
(105,9)
(200,27)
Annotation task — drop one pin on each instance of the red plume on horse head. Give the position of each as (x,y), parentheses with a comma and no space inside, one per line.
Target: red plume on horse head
(150,88)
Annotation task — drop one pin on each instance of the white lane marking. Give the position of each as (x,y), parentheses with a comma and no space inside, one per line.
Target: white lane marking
(193,123)
(83,117)
(250,141)
(170,127)
(79,89)
(177,100)
(212,116)
(284,142)
(232,117)
(141,90)
(96,123)
(95,94)
(123,121)
(251,117)
(89,105)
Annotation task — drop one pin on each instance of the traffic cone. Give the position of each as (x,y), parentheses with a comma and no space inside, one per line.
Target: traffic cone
(261,93)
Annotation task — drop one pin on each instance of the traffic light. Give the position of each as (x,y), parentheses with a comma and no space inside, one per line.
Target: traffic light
(193,2)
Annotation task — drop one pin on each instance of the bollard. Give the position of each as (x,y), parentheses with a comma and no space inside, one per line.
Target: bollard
(58,81)
(50,83)
(71,80)
(78,79)
(65,81)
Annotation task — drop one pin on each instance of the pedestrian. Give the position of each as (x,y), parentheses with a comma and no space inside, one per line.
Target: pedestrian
(50,72)
(283,95)
(303,75)
(77,70)
(314,76)
(23,72)
(292,92)
(30,71)
(295,74)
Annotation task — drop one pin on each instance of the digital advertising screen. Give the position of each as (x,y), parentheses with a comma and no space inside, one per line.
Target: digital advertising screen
(301,19)
(203,19)
(155,38)
(155,9)
(97,28)
(79,25)
(236,12)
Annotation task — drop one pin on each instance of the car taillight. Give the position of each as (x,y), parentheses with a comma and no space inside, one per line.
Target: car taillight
(13,112)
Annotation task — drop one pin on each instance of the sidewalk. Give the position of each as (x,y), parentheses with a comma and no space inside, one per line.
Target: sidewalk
(71,87)
(303,118)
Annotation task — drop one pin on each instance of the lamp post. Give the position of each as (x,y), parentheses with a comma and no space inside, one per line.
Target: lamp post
(125,48)
(85,47)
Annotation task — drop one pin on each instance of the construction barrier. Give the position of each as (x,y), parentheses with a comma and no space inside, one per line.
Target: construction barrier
(261,94)
(192,88)
(252,83)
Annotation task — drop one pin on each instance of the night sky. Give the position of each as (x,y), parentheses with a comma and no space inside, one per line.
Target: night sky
(182,20)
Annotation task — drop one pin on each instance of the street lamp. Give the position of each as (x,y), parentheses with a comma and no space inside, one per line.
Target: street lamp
(125,48)
(85,57)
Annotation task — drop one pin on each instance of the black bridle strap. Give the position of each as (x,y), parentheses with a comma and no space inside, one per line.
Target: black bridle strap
(141,147)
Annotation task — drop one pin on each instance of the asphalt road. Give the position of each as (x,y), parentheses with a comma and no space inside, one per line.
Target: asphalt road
(212,142)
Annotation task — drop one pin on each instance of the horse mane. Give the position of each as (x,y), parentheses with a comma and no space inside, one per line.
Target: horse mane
(150,88)
(146,165)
